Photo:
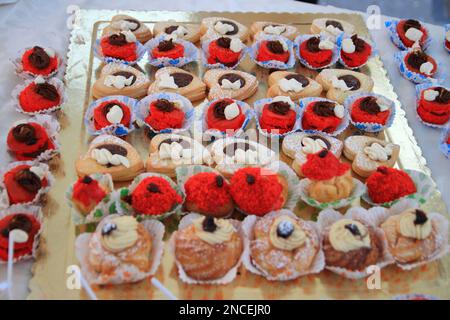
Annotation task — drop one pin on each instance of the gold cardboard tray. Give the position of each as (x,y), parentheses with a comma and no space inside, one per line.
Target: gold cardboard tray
(57,246)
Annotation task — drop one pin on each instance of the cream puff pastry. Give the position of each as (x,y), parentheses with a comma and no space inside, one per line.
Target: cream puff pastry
(263,28)
(122,22)
(215,27)
(188,32)
(293,85)
(232,84)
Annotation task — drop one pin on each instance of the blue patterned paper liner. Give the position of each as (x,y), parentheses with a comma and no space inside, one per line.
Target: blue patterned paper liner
(443,145)
(391,26)
(142,110)
(140,52)
(190,54)
(421,87)
(298,42)
(205,56)
(415,77)
(343,36)
(341,127)
(258,109)
(447,27)
(113,129)
(367,126)
(273,64)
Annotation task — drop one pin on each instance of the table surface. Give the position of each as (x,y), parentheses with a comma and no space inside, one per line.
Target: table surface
(38,22)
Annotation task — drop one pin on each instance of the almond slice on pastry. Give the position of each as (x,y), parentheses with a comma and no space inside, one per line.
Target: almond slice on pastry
(185,31)
(112,155)
(293,85)
(168,151)
(232,84)
(171,79)
(120,79)
(340,83)
(263,28)
(331,27)
(216,27)
(367,154)
(123,22)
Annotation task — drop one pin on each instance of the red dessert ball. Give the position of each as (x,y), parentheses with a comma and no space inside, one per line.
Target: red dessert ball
(363,50)
(22,185)
(220,52)
(402,28)
(368,110)
(39,96)
(272,50)
(277,117)
(117,46)
(313,55)
(437,111)
(215,117)
(323,165)
(100,114)
(37,61)
(320,116)
(168,49)
(164,114)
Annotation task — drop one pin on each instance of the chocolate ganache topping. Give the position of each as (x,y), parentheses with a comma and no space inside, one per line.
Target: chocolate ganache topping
(299,77)
(182,79)
(219,109)
(444,95)
(117,39)
(126,75)
(138,24)
(25,133)
(114,149)
(235,27)
(275,46)
(39,58)
(351,82)
(359,43)
(170,29)
(28,180)
(47,91)
(208,224)
(335,24)
(164,105)
(370,105)
(232,77)
(280,107)
(417,58)
(410,23)
(312,44)
(224,42)
(166,45)
(324,108)
(19,221)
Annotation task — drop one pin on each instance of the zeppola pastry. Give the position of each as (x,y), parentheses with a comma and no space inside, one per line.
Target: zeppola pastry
(293,85)
(261,29)
(112,155)
(278,116)
(434,105)
(226,51)
(214,27)
(87,194)
(331,27)
(323,115)
(122,22)
(185,31)
(232,84)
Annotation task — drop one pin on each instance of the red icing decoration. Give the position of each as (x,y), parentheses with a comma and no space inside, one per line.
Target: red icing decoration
(312,121)
(224,56)
(88,193)
(176,52)
(433,112)
(126,52)
(264,54)
(27,66)
(357,59)
(223,124)
(17,193)
(30,101)
(316,59)
(326,168)
(389,184)
(160,120)
(402,35)
(100,120)
(359,115)
(272,121)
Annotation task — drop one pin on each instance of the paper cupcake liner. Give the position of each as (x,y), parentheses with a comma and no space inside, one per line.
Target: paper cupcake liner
(358,191)
(142,110)
(125,273)
(391,26)
(59,85)
(113,129)
(36,212)
(100,210)
(17,61)
(247,226)
(424,185)
(205,56)
(140,52)
(342,126)
(291,177)
(258,109)
(190,54)
(415,77)
(443,145)
(298,42)
(273,64)
(343,36)
(4,198)
(369,218)
(368,126)
(447,27)
(229,276)
(421,87)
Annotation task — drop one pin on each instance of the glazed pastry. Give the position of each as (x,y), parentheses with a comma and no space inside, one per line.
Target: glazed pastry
(323,115)
(40,61)
(258,190)
(188,32)
(168,151)
(355,51)
(261,29)
(122,22)
(224,115)
(165,114)
(370,109)
(367,154)
(171,79)
(411,236)
(340,83)
(330,179)
(317,51)
(232,84)
(278,116)
(168,47)
(273,50)
(293,85)
(410,32)
(121,45)
(214,27)
(226,51)
(331,27)
(434,105)
(208,193)
(40,95)
(419,62)
(120,79)
(87,194)
(208,248)
(111,112)
(110,154)
(351,245)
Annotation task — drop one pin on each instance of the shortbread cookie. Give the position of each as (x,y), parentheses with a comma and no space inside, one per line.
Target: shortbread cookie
(331,27)
(293,85)
(233,84)
(367,154)
(215,27)
(122,22)
(263,28)
(185,31)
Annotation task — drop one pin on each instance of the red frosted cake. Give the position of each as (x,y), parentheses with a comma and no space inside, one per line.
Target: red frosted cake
(278,116)
(40,61)
(111,112)
(311,52)
(29,140)
(120,46)
(321,116)
(224,114)
(273,50)
(168,49)
(389,184)
(39,95)
(434,105)
(165,114)
(368,110)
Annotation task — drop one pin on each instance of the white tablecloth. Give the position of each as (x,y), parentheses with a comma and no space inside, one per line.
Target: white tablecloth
(39,22)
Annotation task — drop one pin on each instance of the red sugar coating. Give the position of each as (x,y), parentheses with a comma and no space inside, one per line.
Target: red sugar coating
(223,124)
(326,168)
(430,117)
(202,189)
(359,115)
(154,203)
(264,54)
(17,193)
(312,121)
(20,249)
(126,52)
(225,56)
(88,193)
(176,52)
(316,59)
(100,120)
(30,101)
(389,184)
(433,106)
(273,121)
(265,194)
(160,120)
(430,59)
(402,35)
(357,59)
(27,66)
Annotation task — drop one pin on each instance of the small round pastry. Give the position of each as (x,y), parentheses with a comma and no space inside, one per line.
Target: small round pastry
(419,62)
(40,61)
(121,45)
(122,22)
(369,109)
(188,32)
(293,85)
(208,248)
(323,115)
(224,115)
(232,84)
(411,236)
(411,31)
(111,112)
(258,191)
(169,48)
(317,52)
(261,29)
(214,27)
(165,114)
(389,184)
(434,105)
(87,194)
(40,95)
(351,245)
(278,116)
(331,27)
(226,51)
(355,51)
(273,50)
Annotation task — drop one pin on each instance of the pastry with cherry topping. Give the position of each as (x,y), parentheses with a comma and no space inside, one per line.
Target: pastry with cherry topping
(226,51)
(419,62)
(165,114)
(278,116)
(39,95)
(224,115)
(168,48)
(411,31)
(323,115)
(122,46)
(40,61)
(88,193)
(369,109)
(355,51)
(273,50)
(111,112)
(434,105)
(317,52)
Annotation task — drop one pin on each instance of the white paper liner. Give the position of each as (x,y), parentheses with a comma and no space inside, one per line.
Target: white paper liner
(59,85)
(273,64)
(100,210)
(415,77)
(4,199)
(142,110)
(247,226)
(190,53)
(447,27)
(358,191)
(424,185)
(370,218)
(34,211)
(368,126)
(340,128)
(140,52)
(302,38)
(205,56)
(419,89)
(258,107)
(113,129)
(443,145)
(391,26)
(17,61)
(229,276)
(343,36)
(125,273)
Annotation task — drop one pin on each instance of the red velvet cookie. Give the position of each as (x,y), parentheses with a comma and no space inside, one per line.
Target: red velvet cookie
(168,49)
(402,28)
(389,184)
(38,61)
(367,109)
(436,111)
(313,55)
(101,114)
(38,96)
(117,46)
(164,114)
(220,52)
(416,58)
(320,116)
(87,193)
(277,116)
(216,118)
(362,52)
(272,50)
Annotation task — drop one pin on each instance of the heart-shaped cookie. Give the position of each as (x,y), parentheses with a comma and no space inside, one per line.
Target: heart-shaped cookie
(293,85)
(331,27)
(216,27)
(185,31)
(232,84)
(263,28)
(123,22)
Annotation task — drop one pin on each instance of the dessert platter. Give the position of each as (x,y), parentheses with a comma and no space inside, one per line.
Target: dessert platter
(228,156)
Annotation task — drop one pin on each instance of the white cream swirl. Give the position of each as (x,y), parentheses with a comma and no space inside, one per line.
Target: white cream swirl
(415,224)
(346,235)
(223,232)
(105,157)
(119,233)
(377,152)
